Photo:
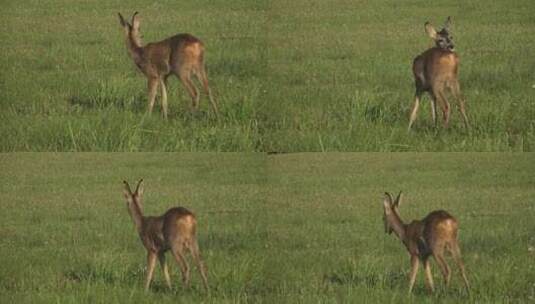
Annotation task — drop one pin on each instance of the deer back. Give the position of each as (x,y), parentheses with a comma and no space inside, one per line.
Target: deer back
(416,244)
(152,235)
(187,52)
(179,224)
(435,67)
(440,226)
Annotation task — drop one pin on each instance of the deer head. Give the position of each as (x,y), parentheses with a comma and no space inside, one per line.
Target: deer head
(391,210)
(134,199)
(442,38)
(132,29)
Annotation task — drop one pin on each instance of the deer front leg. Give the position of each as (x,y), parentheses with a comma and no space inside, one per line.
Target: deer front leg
(414,270)
(428,275)
(434,111)
(152,88)
(165,270)
(414,111)
(164,97)
(151,262)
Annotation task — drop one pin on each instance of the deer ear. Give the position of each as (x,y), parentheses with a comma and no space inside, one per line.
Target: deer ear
(139,188)
(447,24)
(135,21)
(398,199)
(121,19)
(386,206)
(126,190)
(430,30)
(388,198)
(387,202)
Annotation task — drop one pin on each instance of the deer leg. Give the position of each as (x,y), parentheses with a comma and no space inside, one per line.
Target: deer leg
(151,262)
(201,76)
(178,253)
(439,257)
(164,97)
(428,275)
(458,95)
(152,88)
(440,97)
(456,253)
(165,270)
(434,110)
(414,270)
(192,90)
(414,111)
(194,249)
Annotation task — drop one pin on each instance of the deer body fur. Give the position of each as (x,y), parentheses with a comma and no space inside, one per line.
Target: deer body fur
(436,72)
(181,55)
(424,238)
(173,231)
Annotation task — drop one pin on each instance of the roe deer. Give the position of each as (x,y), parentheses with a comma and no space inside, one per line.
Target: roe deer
(429,236)
(436,70)
(175,230)
(181,55)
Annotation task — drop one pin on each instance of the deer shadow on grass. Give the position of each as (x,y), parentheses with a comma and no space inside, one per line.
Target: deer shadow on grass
(89,273)
(388,280)
(136,103)
(391,280)
(133,275)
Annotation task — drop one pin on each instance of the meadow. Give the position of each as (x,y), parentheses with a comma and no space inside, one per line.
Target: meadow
(289,76)
(272,229)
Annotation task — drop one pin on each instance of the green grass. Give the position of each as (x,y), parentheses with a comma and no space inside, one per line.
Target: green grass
(289,76)
(276,229)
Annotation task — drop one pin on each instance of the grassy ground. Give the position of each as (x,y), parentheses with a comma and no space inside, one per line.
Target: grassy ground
(290,76)
(69,85)
(274,229)
(340,75)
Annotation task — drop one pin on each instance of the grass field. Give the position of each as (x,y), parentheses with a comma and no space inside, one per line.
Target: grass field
(275,229)
(289,76)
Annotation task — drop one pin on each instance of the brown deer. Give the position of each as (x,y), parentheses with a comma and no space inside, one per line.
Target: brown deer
(181,55)
(427,237)
(175,230)
(435,71)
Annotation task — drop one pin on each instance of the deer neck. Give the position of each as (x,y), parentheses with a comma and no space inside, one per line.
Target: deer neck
(135,49)
(137,216)
(398,226)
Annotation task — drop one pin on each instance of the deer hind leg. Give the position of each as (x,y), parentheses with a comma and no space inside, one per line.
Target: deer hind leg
(165,269)
(178,252)
(441,99)
(456,253)
(151,262)
(434,109)
(152,88)
(455,88)
(414,270)
(428,275)
(185,78)
(164,96)
(203,78)
(414,112)
(196,254)
(438,253)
